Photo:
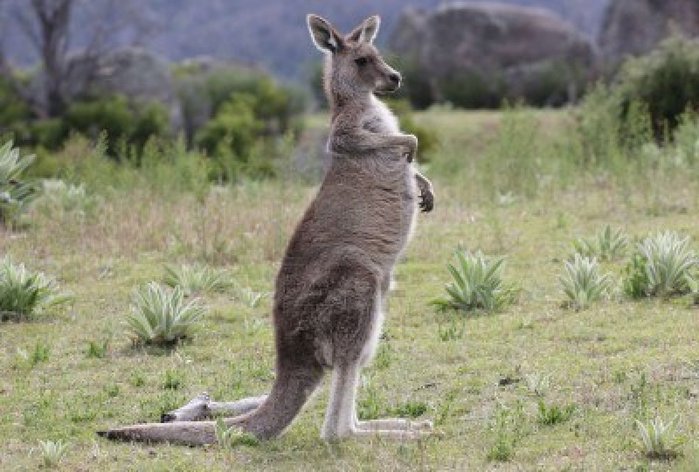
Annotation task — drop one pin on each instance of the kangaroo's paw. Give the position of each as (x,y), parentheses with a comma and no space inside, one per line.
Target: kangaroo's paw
(426,200)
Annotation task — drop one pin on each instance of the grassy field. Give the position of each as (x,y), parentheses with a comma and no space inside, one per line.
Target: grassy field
(504,184)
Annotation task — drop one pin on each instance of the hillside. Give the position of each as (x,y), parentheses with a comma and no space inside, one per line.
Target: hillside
(271,34)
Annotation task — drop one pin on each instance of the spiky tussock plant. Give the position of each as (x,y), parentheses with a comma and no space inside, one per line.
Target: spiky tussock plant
(606,245)
(24,293)
(52,452)
(582,283)
(476,284)
(160,316)
(662,266)
(14,194)
(197,279)
(658,438)
(59,196)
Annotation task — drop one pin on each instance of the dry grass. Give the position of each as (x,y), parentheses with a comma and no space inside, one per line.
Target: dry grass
(615,362)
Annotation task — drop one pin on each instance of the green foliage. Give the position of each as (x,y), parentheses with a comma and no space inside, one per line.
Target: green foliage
(658,438)
(124,123)
(195,280)
(582,282)
(173,380)
(476,284)
(13,109)
(97,349)
(508,427)
(52,452)
(160,316)
(15,194)
(666,82)
(607,244)
(230,437)
(662,266)
(550,415)
(24,294)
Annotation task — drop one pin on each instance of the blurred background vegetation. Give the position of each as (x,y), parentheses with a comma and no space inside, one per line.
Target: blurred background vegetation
(628,72)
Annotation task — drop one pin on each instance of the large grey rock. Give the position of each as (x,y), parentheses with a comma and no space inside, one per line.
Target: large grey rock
(634,27)
(517,50)
(135,73)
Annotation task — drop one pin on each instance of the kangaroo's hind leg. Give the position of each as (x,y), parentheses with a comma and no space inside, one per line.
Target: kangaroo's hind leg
(358,322)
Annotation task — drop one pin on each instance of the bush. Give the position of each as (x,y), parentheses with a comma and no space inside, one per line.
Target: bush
(121,121)
(666,82)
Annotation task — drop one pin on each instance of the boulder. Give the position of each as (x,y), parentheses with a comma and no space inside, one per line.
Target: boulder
(492,51)
(634,27)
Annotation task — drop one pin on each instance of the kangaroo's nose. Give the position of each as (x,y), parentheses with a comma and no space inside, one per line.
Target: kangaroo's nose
(395,78)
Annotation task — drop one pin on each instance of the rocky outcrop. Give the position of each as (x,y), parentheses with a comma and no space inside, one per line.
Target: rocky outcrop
(472,50)
(634,27)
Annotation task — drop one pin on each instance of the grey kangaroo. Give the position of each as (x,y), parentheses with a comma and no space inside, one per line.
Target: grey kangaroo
(336,273)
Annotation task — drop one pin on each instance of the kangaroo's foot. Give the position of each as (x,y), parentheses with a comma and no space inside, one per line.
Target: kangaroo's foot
(202,407)
(399,424)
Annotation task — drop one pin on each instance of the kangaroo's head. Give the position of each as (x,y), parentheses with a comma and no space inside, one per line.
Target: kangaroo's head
(353,66)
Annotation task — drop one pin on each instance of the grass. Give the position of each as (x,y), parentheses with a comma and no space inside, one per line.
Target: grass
(613,361)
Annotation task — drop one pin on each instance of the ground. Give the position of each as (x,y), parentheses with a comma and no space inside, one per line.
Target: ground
(616,361)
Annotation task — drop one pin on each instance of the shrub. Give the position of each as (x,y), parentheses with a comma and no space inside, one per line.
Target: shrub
(476,284)
(160,316)
(582,282)
(607,245)
(550,415)
(14,193)
(193,279)
(662,266)
(123,122)
(666,81)
(24,293)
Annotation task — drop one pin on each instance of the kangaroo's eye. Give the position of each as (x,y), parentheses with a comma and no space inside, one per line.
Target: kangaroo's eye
(362,61)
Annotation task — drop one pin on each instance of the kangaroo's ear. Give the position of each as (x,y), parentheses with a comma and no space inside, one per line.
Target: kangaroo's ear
(366,32)
(323,34)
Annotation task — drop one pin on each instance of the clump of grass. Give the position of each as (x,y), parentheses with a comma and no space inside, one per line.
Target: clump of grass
(249,297)
(451,331)
(24,293)
(661,266)
(582,283)
(509,428)
(97,349)
(160,316)
(537,383)
(53,452)
(658,438)
(550,415)
(197,279)
(606,245)
(476,284)
(229,438)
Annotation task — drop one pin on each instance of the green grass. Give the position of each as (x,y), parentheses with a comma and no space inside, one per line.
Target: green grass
(615,361)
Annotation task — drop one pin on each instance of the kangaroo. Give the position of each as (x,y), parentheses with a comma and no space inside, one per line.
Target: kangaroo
(335,276)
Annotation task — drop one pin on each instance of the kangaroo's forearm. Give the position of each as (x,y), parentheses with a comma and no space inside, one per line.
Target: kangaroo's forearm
(423,182)
(363,142)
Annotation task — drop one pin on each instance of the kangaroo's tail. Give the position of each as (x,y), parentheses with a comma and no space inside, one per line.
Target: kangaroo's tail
(289,393)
